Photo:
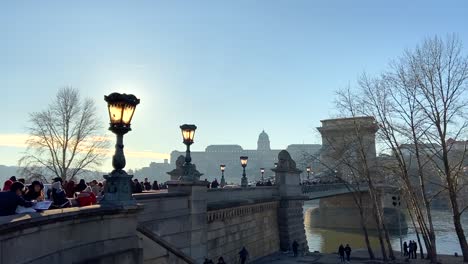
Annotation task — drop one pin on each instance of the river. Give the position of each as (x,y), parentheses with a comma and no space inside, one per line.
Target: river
(328,240)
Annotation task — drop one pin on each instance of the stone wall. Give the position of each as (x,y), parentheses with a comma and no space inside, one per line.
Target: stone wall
(253,226)
(91,234)
(168,216)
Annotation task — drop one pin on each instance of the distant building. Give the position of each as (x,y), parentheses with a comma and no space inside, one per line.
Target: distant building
(208,161)
(155,172)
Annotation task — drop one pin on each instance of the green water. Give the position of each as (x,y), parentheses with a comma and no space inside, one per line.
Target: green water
(328,240)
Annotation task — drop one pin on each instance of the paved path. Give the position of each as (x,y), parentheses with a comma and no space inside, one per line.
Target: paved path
(317,258)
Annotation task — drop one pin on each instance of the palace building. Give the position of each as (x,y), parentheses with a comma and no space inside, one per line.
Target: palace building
(208,161)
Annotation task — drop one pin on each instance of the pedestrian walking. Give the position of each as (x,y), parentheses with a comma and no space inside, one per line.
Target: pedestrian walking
(347,250)
(405,249)
(243,255)
(341,252)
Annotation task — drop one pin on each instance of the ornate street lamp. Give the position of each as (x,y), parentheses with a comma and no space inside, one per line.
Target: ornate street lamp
(223,181)
(276,164)
(121,108)
(262,171)
(243,160)
(190,170)
(308,172)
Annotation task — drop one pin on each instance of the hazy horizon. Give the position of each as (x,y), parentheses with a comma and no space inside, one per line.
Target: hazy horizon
(231,68)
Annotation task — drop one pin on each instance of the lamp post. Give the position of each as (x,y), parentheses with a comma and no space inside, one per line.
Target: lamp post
(223,181)
(121,108)
(190,170)
(243,160)
(308,172)
(276,164)
(262,171)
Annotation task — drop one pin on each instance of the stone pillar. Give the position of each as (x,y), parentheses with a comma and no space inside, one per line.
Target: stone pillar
(290,212)
(198,215)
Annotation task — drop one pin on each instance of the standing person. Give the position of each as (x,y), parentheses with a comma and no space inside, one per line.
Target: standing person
(137,187)
(243,255)
(214,184)
(70,188)
(221,260)
(410,248)
(147,185)
(347,250)
(12,198)
(405,249)
(415,250)
(341,251)
(155,186)
(295,246)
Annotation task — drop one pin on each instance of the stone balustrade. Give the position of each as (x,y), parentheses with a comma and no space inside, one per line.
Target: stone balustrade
(257,193)
(92,234)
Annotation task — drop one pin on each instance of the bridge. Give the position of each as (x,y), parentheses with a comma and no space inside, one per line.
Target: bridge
(183,225)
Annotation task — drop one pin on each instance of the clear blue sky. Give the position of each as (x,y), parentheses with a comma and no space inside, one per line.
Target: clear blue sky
(231,67)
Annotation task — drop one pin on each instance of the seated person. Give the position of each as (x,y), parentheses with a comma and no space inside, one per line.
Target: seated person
(11,199)
(86,197)
(58,195)
(35,192)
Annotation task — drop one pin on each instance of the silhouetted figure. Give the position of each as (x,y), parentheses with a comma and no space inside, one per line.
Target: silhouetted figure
(70,188)
(137,187)
(295,246)
(147,185)
(341,253)
(81,186)
(243,255)
(221,260)
(411,249)
(208,261)
(415,250)
(207,183)
(405,249)
(347,250)
(268,183)
(214,184)
(155,185)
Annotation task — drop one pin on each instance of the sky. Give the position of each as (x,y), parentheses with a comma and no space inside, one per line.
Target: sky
(233,68)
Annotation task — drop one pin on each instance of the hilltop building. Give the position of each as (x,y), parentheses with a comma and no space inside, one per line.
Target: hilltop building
(208,161)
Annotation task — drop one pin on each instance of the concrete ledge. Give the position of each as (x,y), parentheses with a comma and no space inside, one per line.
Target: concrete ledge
(236,203)
(13,223)
(160,195)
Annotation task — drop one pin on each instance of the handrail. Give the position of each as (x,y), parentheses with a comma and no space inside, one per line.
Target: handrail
(169,247)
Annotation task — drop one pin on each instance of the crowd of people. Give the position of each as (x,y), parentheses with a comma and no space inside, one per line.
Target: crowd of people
(17,197)
(139,187)
(410,249)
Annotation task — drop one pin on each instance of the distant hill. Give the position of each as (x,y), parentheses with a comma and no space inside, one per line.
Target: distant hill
(8,171)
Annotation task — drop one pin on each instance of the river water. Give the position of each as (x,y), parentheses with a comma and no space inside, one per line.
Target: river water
(328,240)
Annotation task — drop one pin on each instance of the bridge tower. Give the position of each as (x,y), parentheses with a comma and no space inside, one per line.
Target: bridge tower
(342,142)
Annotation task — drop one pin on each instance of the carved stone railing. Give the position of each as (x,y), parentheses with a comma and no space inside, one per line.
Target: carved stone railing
(232,194)
(222,214)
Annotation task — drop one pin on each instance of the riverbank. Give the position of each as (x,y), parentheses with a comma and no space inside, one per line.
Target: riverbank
(358,257)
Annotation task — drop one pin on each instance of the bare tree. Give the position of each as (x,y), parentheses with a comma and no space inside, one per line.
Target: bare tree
(64,138)
(441,73)
(391,98)
(351,106)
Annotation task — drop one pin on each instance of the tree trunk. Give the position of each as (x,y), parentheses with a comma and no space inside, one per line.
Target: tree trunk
(366,234)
